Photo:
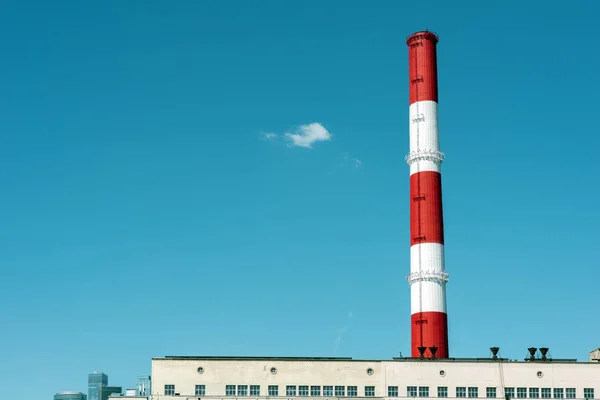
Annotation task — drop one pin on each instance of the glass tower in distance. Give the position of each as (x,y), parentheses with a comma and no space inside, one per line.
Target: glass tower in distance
(142,386)
(95,381)
(70,396)
(105,391)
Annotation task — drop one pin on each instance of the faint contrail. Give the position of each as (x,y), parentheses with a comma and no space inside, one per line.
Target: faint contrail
(340,333)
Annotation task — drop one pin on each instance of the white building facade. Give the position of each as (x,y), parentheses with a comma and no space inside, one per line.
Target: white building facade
(332,378)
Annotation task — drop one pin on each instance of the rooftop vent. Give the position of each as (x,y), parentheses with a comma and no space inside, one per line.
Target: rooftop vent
(595,355)
(532,351)
(544,351)
(494,351)
(433,350)
(422,350)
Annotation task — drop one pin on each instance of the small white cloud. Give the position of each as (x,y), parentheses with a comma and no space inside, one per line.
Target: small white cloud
(269,136)
(349,159)
(307,135)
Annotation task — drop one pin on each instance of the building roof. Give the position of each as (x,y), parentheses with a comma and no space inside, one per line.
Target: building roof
(253,358)
(346,359)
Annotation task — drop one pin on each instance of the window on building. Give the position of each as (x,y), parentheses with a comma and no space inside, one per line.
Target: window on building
(200,390)
(490,392)
(473,392)
(442,391)
(546,393)
(242,390)
(392,391)
(559,393)
(461,391)
(369,391)
(273,390)
(340,391)
(290,390)
(229,390)
(423,391)
(510,392)
(169,390)
(254,390)
(352,391)
(303,391)
(588,393)
(521,393)
(315,391)
(571,393)
(411,391)
(534,393)
(327,390)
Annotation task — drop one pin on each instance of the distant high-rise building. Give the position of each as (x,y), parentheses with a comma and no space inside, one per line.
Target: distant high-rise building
(96,380)
(143,386)
(105,391)
(70,396)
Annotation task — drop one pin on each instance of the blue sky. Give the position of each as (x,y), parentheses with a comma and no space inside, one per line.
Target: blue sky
(143,214)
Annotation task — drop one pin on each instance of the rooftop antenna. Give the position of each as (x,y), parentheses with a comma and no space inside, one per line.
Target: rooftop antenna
(422,351)
(544,351)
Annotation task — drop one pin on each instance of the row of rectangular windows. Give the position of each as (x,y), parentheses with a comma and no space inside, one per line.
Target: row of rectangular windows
(491,392)
(411,391)
(290,390)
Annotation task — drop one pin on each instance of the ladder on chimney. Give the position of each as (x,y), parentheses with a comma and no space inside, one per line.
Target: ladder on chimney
(416,119)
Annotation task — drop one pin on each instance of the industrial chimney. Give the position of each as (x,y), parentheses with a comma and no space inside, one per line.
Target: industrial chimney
(427,279)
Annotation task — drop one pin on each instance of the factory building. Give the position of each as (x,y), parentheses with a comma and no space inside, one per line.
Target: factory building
(292,378)
(430,371)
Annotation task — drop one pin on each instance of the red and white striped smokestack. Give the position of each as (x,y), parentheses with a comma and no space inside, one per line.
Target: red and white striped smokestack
(427,279)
